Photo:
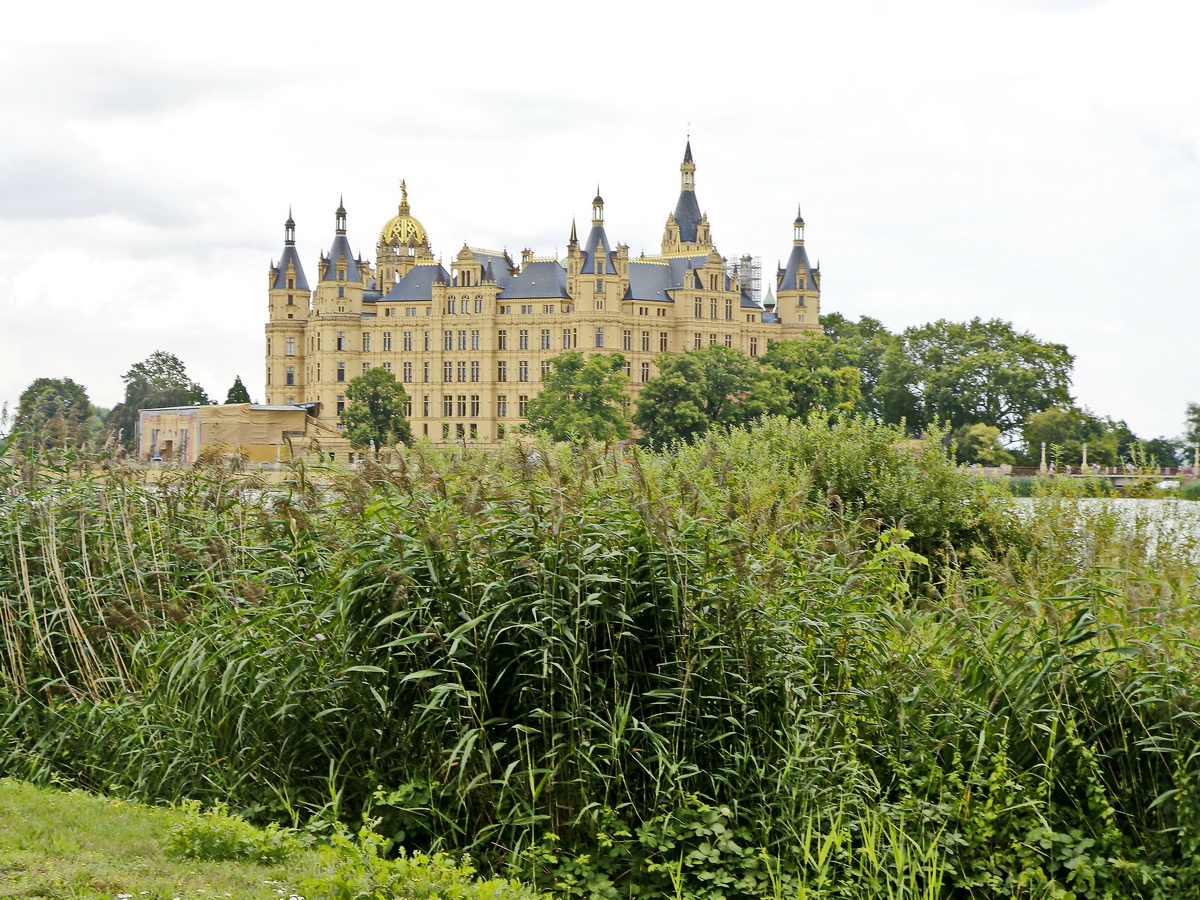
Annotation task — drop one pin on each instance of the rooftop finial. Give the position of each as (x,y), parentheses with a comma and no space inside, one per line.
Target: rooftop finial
(403,196)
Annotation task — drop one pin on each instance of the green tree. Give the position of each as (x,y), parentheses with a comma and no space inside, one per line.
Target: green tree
(582,398)
(160,380)
(52,414)
(815,375)
(1064,430)
(978,444)
(864,345)
(1191,424)
(975,372)
(375,410)
(237,393)
(708,388)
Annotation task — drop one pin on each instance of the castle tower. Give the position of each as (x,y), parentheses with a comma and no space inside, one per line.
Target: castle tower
(798,285)
(687,228)
(288,301)
(403,243)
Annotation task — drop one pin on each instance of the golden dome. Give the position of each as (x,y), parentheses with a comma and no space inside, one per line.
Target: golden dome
(402,228)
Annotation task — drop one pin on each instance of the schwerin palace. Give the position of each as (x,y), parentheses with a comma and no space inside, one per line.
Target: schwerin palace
(471,344)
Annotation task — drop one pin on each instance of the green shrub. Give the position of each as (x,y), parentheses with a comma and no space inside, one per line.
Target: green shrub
(363,869)
(215,834)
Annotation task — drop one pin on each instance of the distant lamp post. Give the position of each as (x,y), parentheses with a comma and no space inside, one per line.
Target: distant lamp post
(1042,468)
(1084,465)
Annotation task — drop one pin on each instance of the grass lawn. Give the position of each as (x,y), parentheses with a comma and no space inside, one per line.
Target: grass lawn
(56,845)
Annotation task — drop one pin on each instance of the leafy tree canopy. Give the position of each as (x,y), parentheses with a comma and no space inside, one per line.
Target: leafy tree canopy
(863,345)
(1191,424)
(375,410)
(708,388)
(52,413)
(816,375)
(582,398)
(160,380)
(974,372)
(237,393)
(978,444)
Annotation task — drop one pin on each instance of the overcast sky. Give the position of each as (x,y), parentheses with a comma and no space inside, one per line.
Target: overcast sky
(1031,160)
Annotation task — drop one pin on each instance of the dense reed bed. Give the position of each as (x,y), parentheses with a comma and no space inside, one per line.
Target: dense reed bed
(797,661)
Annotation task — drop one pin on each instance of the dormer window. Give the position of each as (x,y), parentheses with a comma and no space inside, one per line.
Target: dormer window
(341,273)
(291,283)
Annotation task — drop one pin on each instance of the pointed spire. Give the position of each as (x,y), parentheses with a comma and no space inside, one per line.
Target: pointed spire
(340,215)
(687,152)
(574,236)
(289,230)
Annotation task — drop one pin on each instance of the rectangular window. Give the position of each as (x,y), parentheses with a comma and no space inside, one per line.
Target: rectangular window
(366,342)
(473,430)
(729,340)
(425,406)
(291,375)
(387,367)
(408,408)
(341,404)
(462,370)
(626,339)
(366,367)
(566,339)
(447,340)
(645,372)
(474,370)
(662,342)
(341,372)
(408,373)
(478,304)
(599,337)
(728,309)
(462,339)
(696,339)
(502,339)
(712,308)
(445,431)
(712,339)
(698,307)
(754,346)
(427,340)
(474,338)
(426,373)
(450,306)
(501,405)
(524,340)
(462,405)
(407,342)
(447,371)
(502,371)
(545,368)
(447,405)
(474,404)
(341,340)
(523,370)
(459,431)
(387,341)
(522,404)
(291,347)
(645,342)
(545,338)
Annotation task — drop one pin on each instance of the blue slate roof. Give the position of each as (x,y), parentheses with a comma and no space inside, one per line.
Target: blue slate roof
(500,264)
(687,214)
(597,249)
(798,261)
(340,249)
(290,256)
(418,283)
(679,267)
(749,302)
(649,281)
(538,281)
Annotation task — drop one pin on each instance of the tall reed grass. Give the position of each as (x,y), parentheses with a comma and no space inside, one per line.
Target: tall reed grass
(800,660)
